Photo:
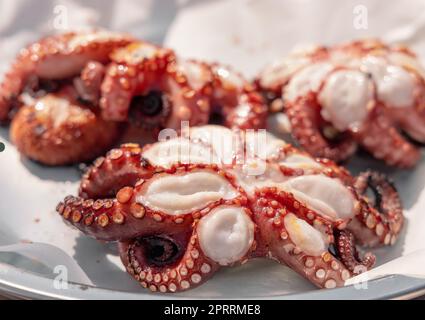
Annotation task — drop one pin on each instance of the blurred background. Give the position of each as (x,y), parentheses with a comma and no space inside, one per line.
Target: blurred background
(244,33)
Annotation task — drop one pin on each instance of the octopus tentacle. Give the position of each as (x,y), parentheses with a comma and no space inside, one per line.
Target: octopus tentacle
(294,242)
(236,100)
(121,167)
(58,130)
(276,76)
(379,222)
(10,89)
(276,198)
(143,207)
(347,252)
(135,70)
(412,122)
(250,113)
(89,82)
(379,137)
(122,218)
(224,236)
(332,170)
(294,162)
(167,263)
(150,90)
(305,120)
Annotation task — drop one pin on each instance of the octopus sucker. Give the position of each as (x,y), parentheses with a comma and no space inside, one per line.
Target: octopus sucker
(166,153)
(186,191)
(323,194)
(364,93)
(226,234)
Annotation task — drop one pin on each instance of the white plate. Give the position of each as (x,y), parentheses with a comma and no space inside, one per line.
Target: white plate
(30,192)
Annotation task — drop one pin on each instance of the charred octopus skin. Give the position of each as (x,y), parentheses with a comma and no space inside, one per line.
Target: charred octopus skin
(364,93)
(153,88)
(51,94)
(57,129)
(183,208)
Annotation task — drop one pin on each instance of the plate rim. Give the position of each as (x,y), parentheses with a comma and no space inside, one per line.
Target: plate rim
(26,285)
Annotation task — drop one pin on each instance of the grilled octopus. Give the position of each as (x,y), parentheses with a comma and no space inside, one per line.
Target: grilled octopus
(183,208)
